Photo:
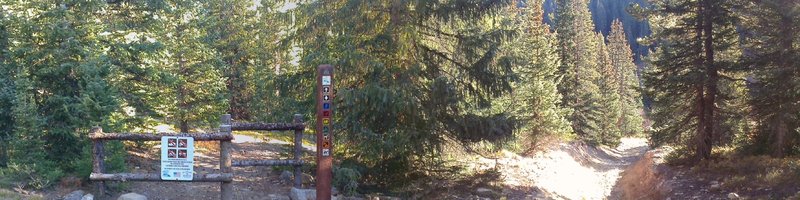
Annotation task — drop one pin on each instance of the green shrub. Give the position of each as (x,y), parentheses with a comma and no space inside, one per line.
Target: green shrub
(114,161)
(346,180)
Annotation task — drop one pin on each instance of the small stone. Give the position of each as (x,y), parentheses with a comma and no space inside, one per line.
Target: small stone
(484,191)
(733,196)
(74,195)
(132,196)
(714,186)
(87,197)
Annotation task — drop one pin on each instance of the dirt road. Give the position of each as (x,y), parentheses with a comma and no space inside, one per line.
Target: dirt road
(568,171)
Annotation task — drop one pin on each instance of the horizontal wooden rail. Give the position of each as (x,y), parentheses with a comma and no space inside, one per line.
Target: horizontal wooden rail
(224,177)
(257,126)
(157,136)
(244,163)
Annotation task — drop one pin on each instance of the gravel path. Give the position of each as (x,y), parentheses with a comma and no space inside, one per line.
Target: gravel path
(568,171)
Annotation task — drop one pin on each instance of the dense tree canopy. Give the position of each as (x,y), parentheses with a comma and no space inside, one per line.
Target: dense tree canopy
(415,79)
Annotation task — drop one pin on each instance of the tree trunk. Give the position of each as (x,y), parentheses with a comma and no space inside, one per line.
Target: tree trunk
(781,128)
(713,77)
(699,96)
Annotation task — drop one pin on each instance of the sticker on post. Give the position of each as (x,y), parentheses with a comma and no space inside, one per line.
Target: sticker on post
(326,90)
(326,152)
(177,158)
(326,80)
(326,121)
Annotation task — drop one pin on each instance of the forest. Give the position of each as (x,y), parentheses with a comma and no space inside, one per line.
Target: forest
(418,80)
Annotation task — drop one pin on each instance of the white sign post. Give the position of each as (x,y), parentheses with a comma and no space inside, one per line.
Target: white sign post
(177,158)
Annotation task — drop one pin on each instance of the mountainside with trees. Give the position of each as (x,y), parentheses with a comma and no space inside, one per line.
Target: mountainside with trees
(420,83)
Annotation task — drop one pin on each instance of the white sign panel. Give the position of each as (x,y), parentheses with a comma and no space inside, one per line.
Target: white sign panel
(177,158)
(326,80)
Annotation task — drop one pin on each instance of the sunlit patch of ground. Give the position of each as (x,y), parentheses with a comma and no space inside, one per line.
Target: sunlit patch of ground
(568,171)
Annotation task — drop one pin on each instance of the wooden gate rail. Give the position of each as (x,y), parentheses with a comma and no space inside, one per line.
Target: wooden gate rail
(297,126)
(226,177)
(224,136)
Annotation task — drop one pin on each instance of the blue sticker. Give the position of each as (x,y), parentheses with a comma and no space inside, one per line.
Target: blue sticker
(326,106)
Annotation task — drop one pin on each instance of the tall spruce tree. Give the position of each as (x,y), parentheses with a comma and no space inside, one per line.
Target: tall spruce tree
(6,93)
(410,77)
(535,100)
(579,66)
(609,132)
(773,54)
(59,79)
(631,120)
(693,36)
(195,83)
(229,32)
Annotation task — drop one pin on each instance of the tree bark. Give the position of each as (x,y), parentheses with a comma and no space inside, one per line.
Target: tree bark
(713,77)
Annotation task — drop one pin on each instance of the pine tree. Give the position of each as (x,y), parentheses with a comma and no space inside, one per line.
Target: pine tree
(694,37)
(631,121)
(230,33)
(609,132)
(579,68)
(535,99)
(772,46)
(59,80)
(195,84)
(6,94)
(411,75)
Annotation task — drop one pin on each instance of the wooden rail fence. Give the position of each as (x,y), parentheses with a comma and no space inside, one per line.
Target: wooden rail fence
(224,136)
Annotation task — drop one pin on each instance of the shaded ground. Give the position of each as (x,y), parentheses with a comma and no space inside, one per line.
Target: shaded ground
(746,177)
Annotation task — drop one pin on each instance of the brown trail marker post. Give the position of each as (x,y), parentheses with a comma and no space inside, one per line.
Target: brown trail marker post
(324,131)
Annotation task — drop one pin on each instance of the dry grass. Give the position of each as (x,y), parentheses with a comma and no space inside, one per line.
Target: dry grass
(8,194)
(756,176)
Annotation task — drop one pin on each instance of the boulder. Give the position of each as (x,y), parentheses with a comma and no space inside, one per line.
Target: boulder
(87,197)
(132,196)
(277,197)
(74,195)
(303,194)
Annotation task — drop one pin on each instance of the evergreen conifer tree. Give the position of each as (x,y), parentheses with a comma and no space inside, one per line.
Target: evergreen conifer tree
(579,67)
(694,38)
(773,53)
(631,121)
(411,75)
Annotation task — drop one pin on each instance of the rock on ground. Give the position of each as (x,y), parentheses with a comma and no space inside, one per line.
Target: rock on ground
(303,194)
(87,197)
(74,195)
(132,196)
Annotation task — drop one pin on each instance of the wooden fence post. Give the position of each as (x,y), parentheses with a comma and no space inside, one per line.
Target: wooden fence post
(226,188)
(98,165)
(298,152)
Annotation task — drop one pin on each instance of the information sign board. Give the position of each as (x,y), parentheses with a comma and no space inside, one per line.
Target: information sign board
(177,158)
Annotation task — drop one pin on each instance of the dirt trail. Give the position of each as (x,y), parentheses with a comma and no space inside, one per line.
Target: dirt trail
(567,171)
